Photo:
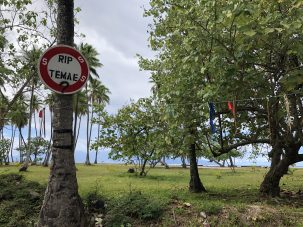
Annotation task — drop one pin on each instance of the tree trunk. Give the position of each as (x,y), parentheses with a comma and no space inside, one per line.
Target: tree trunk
(142,172)
(12,144)
(195,184)
(87,161)
(49,151)
(231,162)
(28,150)
(35,123)
(183,162)
(62,205)
(279,167)
(78,132)
(96,156)
(22,141)
(163,163)
(76,119)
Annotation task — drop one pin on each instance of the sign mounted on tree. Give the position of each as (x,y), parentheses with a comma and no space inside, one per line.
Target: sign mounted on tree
(63,69)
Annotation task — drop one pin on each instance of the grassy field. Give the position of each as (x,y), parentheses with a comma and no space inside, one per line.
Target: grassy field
(232,198)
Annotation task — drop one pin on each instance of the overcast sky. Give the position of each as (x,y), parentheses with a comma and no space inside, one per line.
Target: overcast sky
(118,30)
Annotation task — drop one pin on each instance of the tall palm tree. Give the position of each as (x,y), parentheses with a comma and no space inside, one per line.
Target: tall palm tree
(31,70)
(50,100)
(36,105)
(19,117)
(80,109)
(90,53)
(98,96)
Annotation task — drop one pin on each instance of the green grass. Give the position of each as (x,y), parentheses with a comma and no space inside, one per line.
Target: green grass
(227,190)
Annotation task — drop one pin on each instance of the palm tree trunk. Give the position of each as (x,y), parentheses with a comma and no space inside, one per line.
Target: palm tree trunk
(12,143)
(78,132)
(75,119)
(62,205)
(35,122)
(49,150)
(98,137)
(87,161)
(20,144)
(90,130)
(28,151)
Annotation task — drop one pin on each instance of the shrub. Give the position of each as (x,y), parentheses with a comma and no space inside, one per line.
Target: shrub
(20,201)
(131,207)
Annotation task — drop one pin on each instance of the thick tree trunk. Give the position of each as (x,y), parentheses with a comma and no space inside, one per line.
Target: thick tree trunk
(195,184)
(270,185)
(62,205)
(279,167)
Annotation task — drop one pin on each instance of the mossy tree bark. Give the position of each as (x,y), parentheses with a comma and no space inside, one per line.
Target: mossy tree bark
(62,205)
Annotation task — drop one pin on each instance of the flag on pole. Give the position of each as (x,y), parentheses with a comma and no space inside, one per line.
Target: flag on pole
(231,107)
(41,114)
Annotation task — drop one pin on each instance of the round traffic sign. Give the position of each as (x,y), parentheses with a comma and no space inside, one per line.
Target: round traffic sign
(63,69)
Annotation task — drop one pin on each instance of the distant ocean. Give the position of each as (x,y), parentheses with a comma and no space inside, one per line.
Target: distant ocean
(103,158)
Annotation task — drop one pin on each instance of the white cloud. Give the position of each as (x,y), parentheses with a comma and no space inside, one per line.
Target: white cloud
(117,30)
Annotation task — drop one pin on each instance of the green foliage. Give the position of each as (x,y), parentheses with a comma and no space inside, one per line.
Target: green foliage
(20,201)
(5,145)
(135,205)
(38,147)
(135,134)
(225,50)
(227,202)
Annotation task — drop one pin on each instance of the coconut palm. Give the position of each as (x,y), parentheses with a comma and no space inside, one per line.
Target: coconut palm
(98,96)
(90,54)
(30,69)
(80,109)
(49,101)
(19,117)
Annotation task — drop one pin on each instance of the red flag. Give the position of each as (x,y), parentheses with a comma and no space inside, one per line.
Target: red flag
(231,107)
(40,113)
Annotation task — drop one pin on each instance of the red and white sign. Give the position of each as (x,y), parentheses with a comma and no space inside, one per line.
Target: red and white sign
(63,69)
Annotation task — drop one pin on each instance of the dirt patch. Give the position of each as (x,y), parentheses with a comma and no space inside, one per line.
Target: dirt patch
(184,214)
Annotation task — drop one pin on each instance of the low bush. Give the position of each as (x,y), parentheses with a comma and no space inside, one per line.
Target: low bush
(133,207)
(20,201)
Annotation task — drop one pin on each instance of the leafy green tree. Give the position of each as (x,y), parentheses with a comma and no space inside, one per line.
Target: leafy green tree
(37,148)
(234,50)
(4,150)
(134,134)
(24,27)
